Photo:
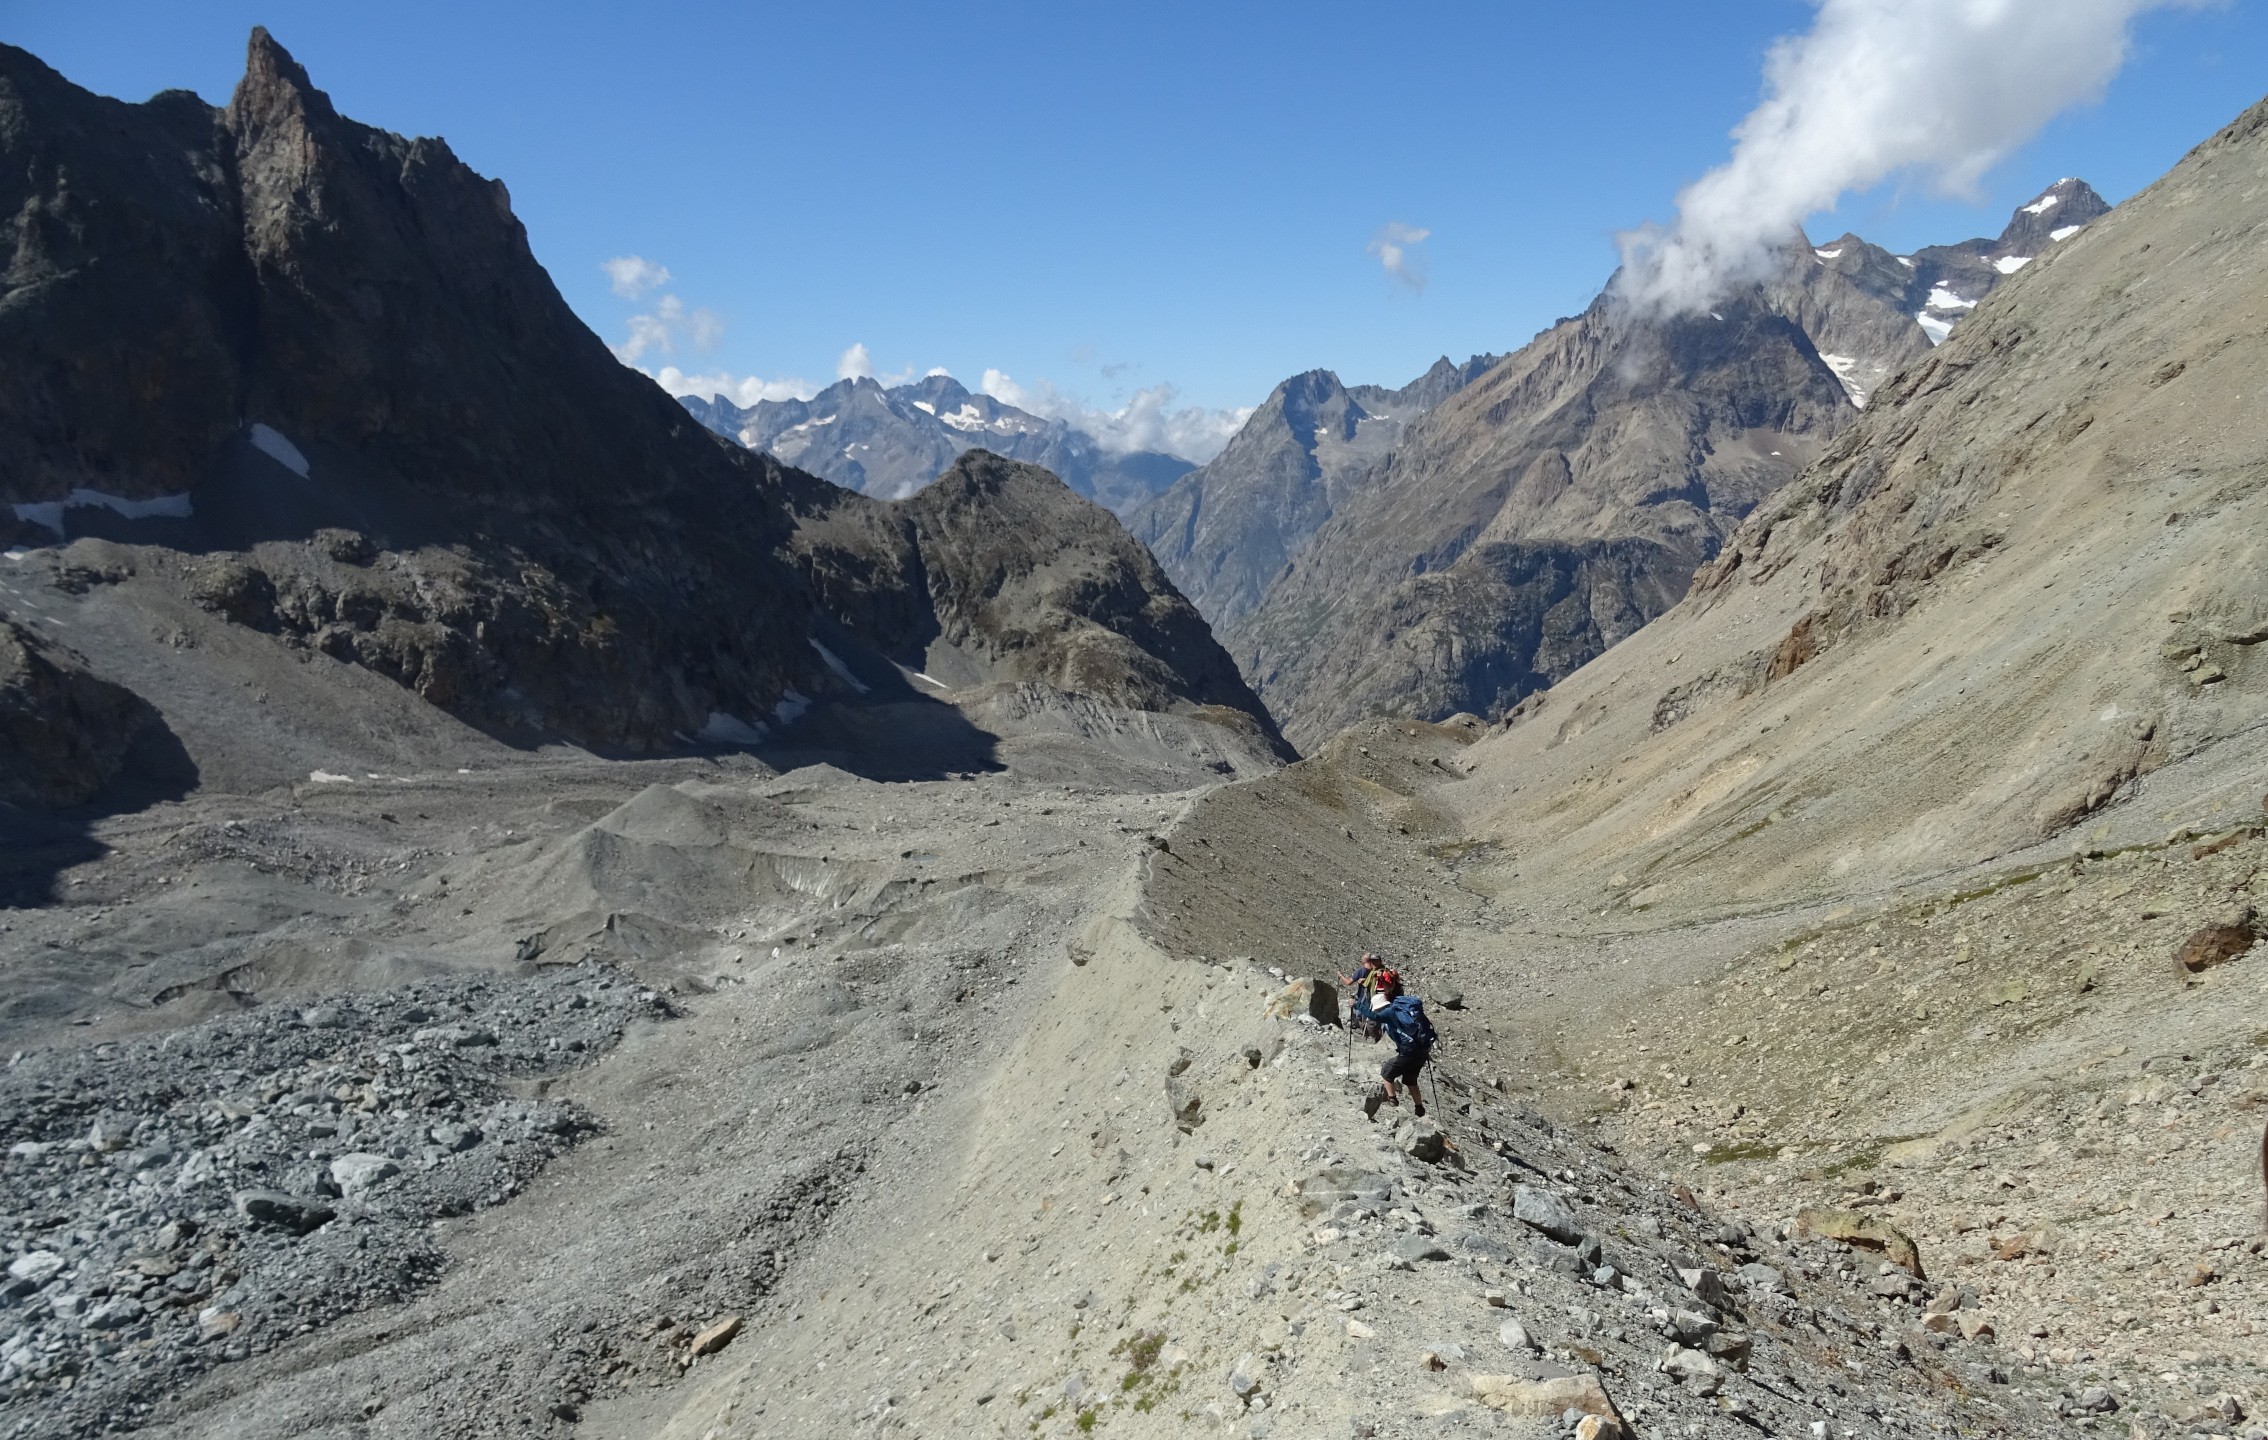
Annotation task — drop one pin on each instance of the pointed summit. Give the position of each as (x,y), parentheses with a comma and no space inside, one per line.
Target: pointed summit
(275,88)
(2056,213)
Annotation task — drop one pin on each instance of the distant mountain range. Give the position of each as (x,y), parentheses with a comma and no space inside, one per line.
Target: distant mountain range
(1483,532)
(890,442)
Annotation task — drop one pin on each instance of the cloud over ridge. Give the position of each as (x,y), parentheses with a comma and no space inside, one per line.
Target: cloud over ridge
(1945,89)
(1147,421)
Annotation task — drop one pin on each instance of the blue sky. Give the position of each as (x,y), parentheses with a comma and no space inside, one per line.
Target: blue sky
(1105,198)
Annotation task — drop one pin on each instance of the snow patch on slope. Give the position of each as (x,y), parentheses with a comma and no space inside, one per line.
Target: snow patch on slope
(277,446)
(49,513)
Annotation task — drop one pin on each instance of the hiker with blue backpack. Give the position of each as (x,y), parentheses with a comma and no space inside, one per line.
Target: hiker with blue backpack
(1402,1017)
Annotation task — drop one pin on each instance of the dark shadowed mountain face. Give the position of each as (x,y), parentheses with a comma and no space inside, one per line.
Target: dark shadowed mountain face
(312,377)
(890,442)
(1225,530)
(265,321)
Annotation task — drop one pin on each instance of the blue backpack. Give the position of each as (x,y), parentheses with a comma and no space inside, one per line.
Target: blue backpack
(1405,1020)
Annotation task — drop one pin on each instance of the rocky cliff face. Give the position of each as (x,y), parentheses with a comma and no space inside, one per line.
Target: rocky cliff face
(321,360)
(281,319)
(1225,531)
(889,442)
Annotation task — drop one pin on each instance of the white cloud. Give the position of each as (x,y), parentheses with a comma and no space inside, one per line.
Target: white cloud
(1945,88)
(741,390)
(669,323)
(633,275)
(1147,421)
(856,364)
(1395,247)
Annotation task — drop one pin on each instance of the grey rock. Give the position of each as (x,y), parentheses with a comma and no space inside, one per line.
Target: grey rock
(1515,1337)
(1423,1141)
(455,1138)
(296,1213)
(1244,1378)
(1419,1247)
(358,1172)
(1485,1245)
(36,1266)
(1761,1279)
(1540,1209)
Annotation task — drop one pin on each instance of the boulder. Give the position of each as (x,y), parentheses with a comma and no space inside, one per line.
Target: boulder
(1551,1399)
(2216,944)
(1419,1247)
(1316,999)
(358,1172)
(295,1213)
(1692,1365)
(1727,1348)
(1516,1338)
(1867,1232)
(1541,1210)
(1707,1285)
(717,1336)
(1488,1247)
(1422,1140)
(1760,1279)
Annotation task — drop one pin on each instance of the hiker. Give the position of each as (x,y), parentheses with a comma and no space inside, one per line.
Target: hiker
(1402,1017)
(1360,986)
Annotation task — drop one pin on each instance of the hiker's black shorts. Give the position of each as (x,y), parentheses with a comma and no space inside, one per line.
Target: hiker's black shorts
(1404,1064)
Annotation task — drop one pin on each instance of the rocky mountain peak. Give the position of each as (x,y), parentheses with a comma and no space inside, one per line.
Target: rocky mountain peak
(2054,215)
(275,90)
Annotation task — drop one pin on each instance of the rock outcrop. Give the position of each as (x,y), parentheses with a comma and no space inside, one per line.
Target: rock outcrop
(63,733)
(998,572)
